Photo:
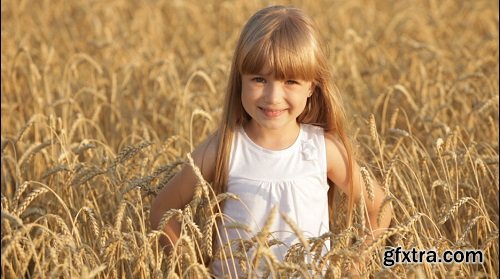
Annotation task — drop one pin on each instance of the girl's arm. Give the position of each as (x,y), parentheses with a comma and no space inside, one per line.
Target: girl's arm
(337,171)
(180,190)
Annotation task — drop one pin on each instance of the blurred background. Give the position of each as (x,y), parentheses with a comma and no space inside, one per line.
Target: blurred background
(101,101)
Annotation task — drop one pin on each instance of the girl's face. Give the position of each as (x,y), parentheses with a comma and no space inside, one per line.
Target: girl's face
(274,104)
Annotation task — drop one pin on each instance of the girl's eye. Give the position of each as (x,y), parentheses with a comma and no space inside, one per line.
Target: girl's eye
(259,79)
(292,82)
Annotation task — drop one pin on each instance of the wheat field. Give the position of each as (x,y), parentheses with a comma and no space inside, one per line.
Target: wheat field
(102,101)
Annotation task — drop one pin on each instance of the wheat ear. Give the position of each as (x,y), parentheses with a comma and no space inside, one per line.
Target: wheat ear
(452,210)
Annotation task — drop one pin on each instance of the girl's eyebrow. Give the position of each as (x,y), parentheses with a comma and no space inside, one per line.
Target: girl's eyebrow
(257,74)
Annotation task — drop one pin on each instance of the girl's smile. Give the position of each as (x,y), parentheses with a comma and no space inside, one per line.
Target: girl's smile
(272,113)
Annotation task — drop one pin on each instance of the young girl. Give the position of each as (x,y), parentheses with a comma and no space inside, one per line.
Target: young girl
(281,144)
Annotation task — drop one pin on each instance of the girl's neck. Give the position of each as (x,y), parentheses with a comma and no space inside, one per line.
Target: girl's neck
(272,139)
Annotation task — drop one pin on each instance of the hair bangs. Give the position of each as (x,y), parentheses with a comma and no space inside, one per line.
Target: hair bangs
(288,52)
(257,59)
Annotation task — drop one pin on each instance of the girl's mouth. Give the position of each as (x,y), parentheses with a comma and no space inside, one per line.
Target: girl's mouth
(272,113)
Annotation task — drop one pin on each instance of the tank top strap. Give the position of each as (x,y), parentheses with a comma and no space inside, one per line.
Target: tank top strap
(313,145)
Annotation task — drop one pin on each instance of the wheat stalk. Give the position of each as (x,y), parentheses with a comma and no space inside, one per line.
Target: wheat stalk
(438,119)
(119,215)
(452,210)
(383,207)
(394,118)
(204,185)
(32,151)
(399,132)
(373,129)
(261,236)
(126,154)
(208,230)
(5,203)
(491,237)
(12,218)
(390,232)
(296,230)
(360,210)
(54,170)
(166,217)
(31,196)
(93,220)
(19,191)
(367,180)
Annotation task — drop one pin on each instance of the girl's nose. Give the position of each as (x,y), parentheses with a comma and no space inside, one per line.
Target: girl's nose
(274,92)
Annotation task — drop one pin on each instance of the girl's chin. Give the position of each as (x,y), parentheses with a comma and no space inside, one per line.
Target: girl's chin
(274,124)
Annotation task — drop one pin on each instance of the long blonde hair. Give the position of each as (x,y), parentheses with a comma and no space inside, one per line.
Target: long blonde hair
(285,40)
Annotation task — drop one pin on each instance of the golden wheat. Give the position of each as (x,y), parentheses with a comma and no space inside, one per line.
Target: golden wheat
(101,102)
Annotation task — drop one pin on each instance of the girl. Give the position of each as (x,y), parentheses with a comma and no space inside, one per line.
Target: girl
(281,144)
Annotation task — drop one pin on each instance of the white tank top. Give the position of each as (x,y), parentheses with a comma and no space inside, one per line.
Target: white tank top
(293,180)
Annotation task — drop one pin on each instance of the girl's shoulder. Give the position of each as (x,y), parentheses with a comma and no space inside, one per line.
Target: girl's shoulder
(336,159)
(311,131)
(312,128)
(335,148)
(205,155)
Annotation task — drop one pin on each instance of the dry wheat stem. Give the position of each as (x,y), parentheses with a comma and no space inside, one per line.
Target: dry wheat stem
(452,209)
(431,107)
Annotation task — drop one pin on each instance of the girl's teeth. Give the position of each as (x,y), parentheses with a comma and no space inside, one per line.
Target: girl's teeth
(272,113)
